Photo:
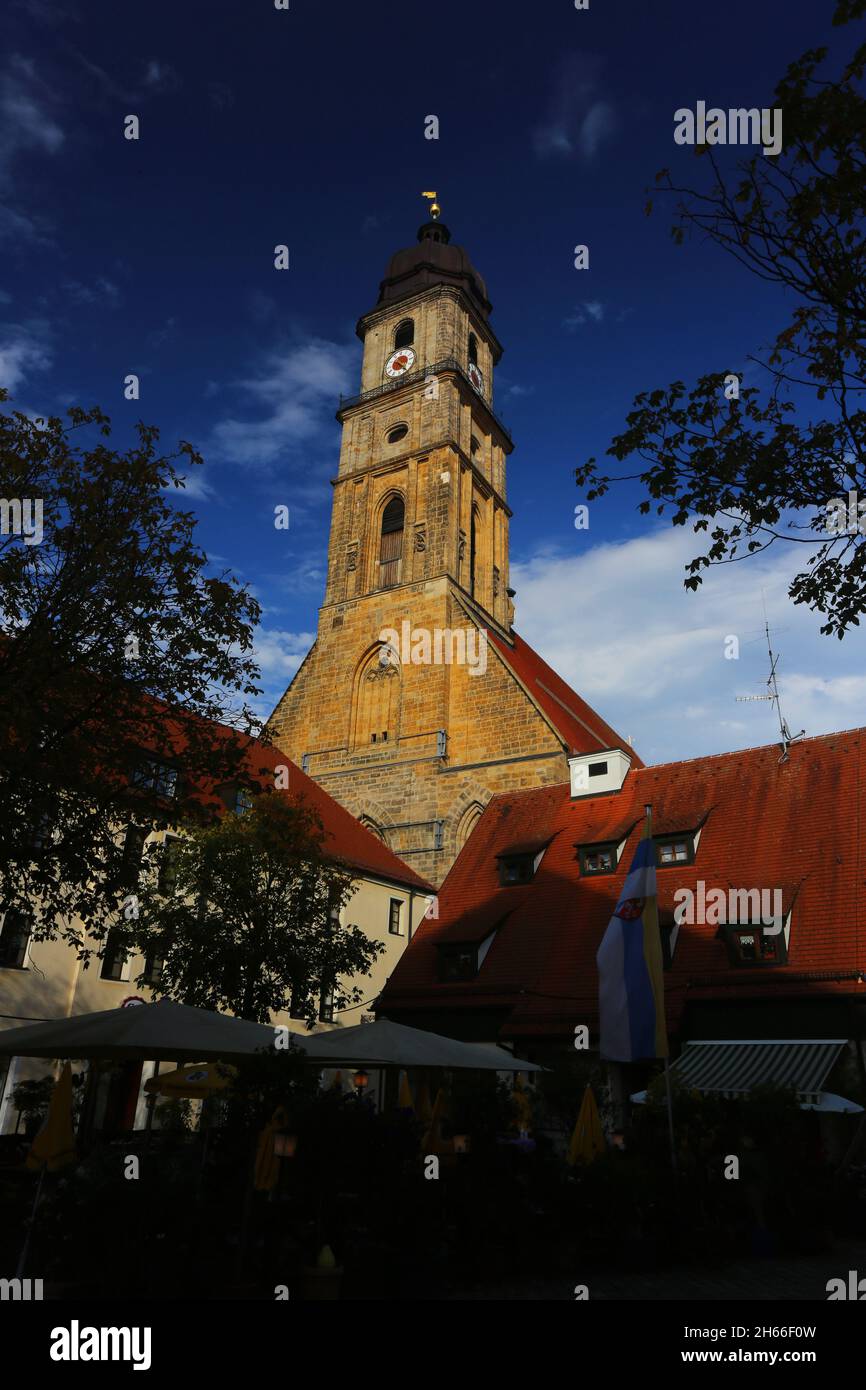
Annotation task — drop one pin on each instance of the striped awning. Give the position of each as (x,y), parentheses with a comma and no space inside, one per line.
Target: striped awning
(731,1068)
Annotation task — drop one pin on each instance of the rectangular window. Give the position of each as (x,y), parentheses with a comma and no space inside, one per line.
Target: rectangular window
(115,962)
(152,968)
(133,852)
(458,963)
(601,859)
(298,1002)
(168,865)
(326,1006)
(395,912)
(753,946)
(678,849)
(151,775)
(14,939)
(516,868)
(598,769)
(243,801)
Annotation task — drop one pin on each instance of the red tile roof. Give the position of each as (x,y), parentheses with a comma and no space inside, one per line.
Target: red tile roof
(798,826)
(575,721)
(345,837)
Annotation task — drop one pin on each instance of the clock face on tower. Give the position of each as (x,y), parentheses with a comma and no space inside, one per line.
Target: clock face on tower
(475,377)
(399,362)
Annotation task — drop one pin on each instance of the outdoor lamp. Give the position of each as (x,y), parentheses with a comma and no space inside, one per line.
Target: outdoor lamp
(360,1079)
(285,1144)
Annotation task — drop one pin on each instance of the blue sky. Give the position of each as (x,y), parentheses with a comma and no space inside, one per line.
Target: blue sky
(306,127)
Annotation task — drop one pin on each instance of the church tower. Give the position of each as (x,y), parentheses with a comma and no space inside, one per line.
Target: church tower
(417,700)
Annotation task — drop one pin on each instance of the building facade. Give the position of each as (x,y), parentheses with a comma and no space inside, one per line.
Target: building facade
(41,980)
(418,700)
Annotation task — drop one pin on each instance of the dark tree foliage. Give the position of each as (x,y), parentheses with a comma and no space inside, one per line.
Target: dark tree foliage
(251,924)
(778,462)
(117,649)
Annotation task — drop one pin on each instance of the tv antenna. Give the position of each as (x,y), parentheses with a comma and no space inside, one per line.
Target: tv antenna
(773,697)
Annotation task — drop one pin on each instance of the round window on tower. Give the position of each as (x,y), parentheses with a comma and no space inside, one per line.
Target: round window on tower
(397,433)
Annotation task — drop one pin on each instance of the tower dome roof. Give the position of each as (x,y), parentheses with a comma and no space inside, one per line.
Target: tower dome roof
(433,261)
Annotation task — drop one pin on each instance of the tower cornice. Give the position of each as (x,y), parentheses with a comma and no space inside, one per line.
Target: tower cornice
(460,296)
(393,389)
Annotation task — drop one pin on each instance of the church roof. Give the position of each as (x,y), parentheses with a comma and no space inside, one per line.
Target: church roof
(433,261)
(345,837)
(796,826)
(575,721)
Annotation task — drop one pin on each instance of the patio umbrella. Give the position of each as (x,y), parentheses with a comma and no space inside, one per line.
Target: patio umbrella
(195,1082)
(587,1140)
(387,1044)
(156,1032)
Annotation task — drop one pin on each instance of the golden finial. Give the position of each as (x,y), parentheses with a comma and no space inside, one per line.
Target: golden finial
(434,206)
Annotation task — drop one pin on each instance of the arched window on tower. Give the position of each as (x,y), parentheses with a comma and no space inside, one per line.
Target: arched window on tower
(404,334)
(473,534)
(473,349)
(391,545)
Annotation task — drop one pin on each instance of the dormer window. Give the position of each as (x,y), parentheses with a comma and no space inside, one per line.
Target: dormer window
(404,335)
(515,868)
(757,945)
(519,863)
(462,960)
(154,776)
(598,859)
(675,849)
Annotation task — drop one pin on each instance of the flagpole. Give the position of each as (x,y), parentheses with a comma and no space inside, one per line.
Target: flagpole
(670,1104)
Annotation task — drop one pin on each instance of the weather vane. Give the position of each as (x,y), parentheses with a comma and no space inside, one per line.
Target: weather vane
(434,206)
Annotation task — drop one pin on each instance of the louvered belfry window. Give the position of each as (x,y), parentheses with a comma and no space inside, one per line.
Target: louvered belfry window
(391,548)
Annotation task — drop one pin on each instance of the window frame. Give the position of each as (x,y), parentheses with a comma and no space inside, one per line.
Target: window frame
(23,925)
(112,955)
(734,930)
(165,787)
(398,904)
(456,951)
(400,340)
(603,846)
(686,838)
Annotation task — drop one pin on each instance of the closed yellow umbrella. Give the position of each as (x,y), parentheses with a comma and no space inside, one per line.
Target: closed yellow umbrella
(405,1100)
(54,1145)
(267,1163)
(194,1082)
(587,1140)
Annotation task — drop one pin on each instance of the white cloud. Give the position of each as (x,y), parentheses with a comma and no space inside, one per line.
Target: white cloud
(592,311)
(579,119)
(615,621)
(296,389)
(279,653)
(27,129)
(23,350)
